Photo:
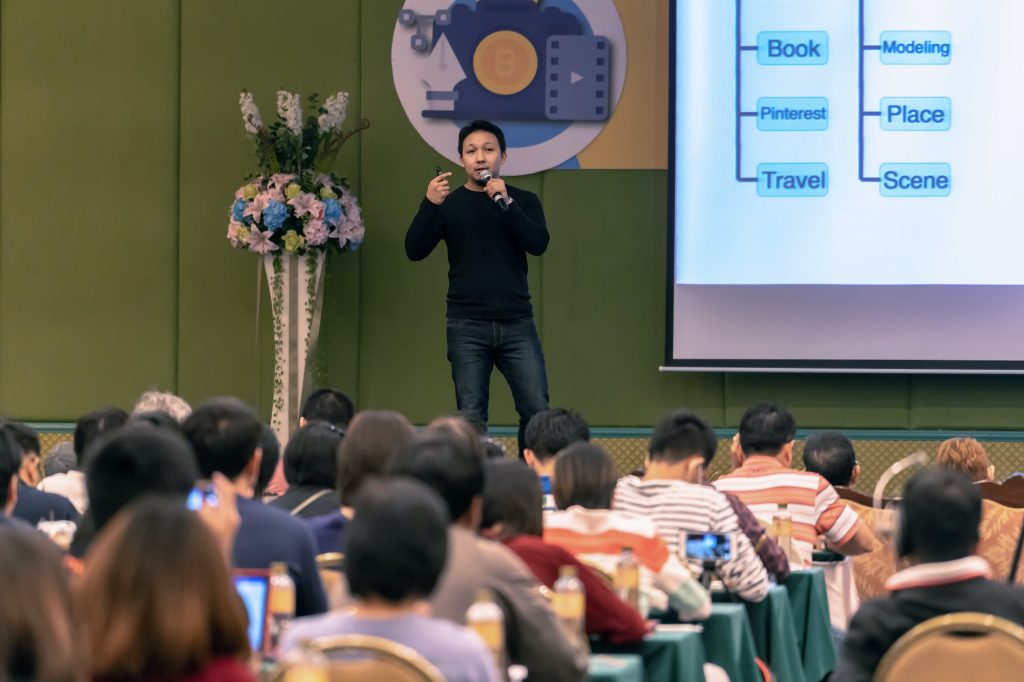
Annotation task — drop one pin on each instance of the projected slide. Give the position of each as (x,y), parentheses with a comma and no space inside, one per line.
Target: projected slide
(863,142)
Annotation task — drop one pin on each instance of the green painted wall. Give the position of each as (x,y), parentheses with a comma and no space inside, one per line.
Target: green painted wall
(120,148)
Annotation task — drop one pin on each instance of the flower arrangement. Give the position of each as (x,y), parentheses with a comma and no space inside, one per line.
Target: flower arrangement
(296,205)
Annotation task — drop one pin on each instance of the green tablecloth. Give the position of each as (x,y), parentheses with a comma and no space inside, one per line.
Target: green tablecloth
(775,638)
(616,668)
(728,642)
(809,600)
(668,656)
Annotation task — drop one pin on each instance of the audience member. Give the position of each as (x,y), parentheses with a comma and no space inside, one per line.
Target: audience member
(967,456)
(546,434)
(512,514)
(937,536)
(327,405)
(160,401)
(763,480)
(39,637)
(90,427)
(10,464)
(373,439)
(225,435)
(156,418)
(61,459)
(34,505)
(130,463)
(396,550)
(271,449)
(533,634)
(671,494)
(583,484)
(311,469)
(459,426)
(158,603)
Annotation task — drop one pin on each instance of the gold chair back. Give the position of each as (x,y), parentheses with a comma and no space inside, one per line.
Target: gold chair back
(957,646)
(363,658)
(871,570)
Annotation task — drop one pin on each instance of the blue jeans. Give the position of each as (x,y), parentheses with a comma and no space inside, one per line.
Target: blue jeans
(475,347)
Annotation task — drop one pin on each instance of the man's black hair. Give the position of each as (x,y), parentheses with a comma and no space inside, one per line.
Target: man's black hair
(328,405)
(311,456)
(552,430)
(10,463)
(397,545)
(135,461)
(485,126)
(765,428)
(268,464)
(681,434)
(93,425)
(939,516)
(447,465)
(25,437)
(156,418)
(224,433)
(512,497)
(830,454)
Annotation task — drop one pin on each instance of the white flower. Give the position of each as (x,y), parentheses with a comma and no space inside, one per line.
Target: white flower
(289,108)
(335,108)
(250,114)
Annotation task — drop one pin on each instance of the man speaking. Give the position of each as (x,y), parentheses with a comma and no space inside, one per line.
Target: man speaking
(488,228)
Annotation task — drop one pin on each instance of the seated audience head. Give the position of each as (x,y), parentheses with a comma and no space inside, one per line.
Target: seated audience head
(451,468)
(327,405)
(225,435)
(311,456)
(157,598)
(39,638)
(967,456)
(93,425)
(133,462)
(512,500)
(373,439)
(458,426)
(398,542)
(830,454)
(10,465)
(157,419)
(550,431)
(767,429)
(271,449)
(681,448)
(160,401)
(61,459)
(584,476)
(27,440)
(939,517)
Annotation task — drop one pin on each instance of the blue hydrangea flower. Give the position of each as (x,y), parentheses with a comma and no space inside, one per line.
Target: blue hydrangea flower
(237,209)
(274,215)
(333,212)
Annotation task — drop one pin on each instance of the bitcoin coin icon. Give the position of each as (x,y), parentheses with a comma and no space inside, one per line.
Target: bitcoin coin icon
(505,62)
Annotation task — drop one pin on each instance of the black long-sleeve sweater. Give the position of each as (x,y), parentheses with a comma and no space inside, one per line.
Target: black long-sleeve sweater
(486,250)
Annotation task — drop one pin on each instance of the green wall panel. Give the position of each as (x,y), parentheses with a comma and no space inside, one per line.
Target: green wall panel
(88,203)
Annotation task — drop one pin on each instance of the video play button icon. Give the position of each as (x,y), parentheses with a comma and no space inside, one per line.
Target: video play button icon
(574,78)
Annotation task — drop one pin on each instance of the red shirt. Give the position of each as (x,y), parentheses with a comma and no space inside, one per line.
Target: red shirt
(607,615)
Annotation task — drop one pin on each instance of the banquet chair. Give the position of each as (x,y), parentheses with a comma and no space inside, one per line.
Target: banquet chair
(871,570)
(362,658)
(957,646)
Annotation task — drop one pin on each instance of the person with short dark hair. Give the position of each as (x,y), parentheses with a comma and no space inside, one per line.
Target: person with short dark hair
(397,548)
(586,526)
(270,448)
(512,515)
(938,536)
(546,434)
(831,455)
(225,434)
(672,494)
(35,505)
(311,467)
(88,429)
(10,464)
(533,635)
(763,478)
(489,317)
(327,405)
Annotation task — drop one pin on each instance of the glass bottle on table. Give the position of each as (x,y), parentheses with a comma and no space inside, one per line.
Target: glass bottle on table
(782,527)
(486,619)
(627,578)
(570,605)
(281,603)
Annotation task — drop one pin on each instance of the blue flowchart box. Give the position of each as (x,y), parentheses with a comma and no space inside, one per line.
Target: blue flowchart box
(792,48)
(915,47)
(792,113)
(792,179)
(915,179)
(915,113)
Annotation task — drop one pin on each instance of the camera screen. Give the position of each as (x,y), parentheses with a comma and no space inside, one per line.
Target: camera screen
(707,546)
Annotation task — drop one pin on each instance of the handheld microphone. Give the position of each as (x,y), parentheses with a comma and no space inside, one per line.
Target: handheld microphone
(499,199)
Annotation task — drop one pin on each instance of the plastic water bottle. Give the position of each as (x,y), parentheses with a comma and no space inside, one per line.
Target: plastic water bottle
(485,617)
(569,602)
(782,526)
(281,601)
(627,578)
